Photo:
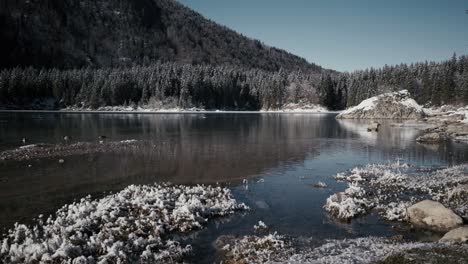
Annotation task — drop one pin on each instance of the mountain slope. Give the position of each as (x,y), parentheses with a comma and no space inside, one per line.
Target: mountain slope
(107,33)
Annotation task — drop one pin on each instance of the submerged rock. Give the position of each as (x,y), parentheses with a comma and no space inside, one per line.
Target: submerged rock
(456,235)
(432,138)
(320,185)
(433,215)
(396,105)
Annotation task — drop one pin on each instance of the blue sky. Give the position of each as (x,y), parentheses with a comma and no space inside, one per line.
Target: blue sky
(348,35)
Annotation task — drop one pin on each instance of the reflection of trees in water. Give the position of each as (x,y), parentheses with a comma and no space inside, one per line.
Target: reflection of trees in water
(184,149)
(187,148)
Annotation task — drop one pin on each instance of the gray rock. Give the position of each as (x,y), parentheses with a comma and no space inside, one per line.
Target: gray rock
(456,235)
(433,215)
(432,138)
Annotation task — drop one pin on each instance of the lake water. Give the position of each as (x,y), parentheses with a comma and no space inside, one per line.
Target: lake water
(281,156)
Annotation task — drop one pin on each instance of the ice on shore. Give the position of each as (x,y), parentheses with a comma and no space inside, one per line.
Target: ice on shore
(391,188)
(274,248)
(135,224)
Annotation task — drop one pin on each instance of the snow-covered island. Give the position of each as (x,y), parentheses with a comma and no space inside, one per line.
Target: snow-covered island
(395,105)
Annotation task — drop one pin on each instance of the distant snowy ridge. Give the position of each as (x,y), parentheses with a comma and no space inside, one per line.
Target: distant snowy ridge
(130,226)
(394,105)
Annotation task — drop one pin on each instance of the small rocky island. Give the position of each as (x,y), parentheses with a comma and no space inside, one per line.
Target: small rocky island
(395,105)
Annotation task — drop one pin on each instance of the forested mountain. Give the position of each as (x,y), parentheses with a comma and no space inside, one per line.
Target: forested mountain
(69,34)
(94,53)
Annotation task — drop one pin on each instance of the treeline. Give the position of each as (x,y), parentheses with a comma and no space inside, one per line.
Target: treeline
(170,85)
(162,85)
(430,83)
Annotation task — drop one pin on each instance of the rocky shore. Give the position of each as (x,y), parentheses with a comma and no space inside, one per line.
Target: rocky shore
(447,122)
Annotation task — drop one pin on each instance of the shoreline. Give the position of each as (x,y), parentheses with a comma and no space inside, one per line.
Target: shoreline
(169,112)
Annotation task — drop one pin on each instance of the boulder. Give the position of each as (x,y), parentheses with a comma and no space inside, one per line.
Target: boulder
(433,215)
(432,138)
(374,126)
(456,235)
(396,105)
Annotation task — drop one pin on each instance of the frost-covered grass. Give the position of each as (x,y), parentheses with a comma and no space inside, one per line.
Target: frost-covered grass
(134,225)
(257,249)
(391,188)
(274,248)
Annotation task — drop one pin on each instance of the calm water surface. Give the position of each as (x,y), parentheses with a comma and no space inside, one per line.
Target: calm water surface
(290,152)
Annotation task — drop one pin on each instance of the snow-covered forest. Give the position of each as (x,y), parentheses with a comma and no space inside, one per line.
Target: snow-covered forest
(429,83)
(164,85)
(170,85)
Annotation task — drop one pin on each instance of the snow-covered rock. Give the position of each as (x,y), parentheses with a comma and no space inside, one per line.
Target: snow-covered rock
(396,105)
(134,225)
(456,235)
(433,215)
(374,126)
(320,185)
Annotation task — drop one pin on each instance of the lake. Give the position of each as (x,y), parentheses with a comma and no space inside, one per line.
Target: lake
(280,156)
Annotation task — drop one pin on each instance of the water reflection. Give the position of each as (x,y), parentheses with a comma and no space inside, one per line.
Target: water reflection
(197,148)
(388,135)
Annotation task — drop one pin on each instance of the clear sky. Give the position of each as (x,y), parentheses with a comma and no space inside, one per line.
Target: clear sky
(348,35)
